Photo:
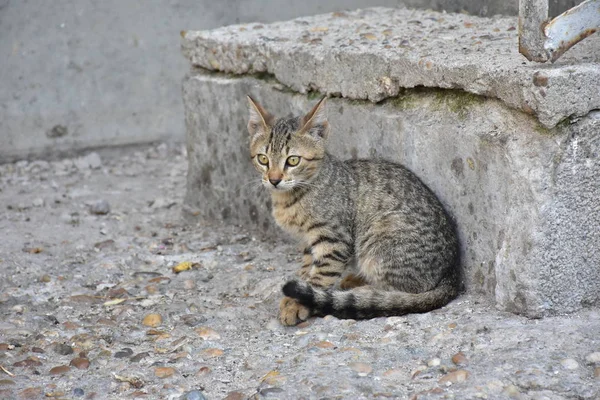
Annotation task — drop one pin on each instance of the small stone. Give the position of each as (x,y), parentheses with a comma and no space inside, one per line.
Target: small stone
(94,160)
(324,345)
(459,358)
(213,352)
(28,362)
(45,278)
(193,395)
(394,374)
(63,349)
(512,391)
(593,358)
(361,368)
(235,396)
(6,382)
(57,131)
(207,333)
(454,377)
(597,372)
(80,363)
(78,392)
(189,284)
(569,363)
(38,202)
(31,393)
(164,372)
(100,207)
(4,346)
(152,320)
(60,370)
(434,362)
(126,352)
(139,357)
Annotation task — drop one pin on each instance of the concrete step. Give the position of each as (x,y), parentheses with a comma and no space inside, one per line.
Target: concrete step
(522,187)
(373,53)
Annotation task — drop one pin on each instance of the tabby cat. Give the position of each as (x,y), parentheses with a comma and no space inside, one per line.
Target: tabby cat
(373,216)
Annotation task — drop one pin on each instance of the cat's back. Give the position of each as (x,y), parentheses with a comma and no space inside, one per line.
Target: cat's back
(384,186)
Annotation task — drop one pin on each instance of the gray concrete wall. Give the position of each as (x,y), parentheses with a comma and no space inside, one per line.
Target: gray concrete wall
(78,74)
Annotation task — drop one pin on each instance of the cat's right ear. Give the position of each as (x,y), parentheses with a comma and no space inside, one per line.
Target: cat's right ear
(259,119)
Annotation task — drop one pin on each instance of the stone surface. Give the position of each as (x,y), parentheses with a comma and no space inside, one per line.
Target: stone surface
(375,53)
(503,349)
(524,197)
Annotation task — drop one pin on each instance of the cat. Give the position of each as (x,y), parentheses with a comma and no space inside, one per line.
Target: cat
(374,214)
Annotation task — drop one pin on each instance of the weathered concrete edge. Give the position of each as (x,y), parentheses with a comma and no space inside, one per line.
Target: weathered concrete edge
(544,98)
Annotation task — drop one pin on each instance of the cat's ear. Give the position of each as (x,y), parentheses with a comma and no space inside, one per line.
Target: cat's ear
(315,122)
(259,119)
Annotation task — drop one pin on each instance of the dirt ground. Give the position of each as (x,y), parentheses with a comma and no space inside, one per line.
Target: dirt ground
(91,308)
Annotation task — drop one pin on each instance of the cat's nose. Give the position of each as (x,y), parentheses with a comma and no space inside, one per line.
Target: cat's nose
(275,181)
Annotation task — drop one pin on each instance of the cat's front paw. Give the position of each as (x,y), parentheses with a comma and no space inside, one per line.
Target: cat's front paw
(291,312)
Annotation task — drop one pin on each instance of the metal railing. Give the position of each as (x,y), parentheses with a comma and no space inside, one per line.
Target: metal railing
(541,39)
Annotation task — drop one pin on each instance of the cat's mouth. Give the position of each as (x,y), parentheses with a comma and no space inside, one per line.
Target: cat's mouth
(280,187)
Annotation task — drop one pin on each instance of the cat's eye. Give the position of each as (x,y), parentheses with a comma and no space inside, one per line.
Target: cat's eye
(293,161)
(262,159)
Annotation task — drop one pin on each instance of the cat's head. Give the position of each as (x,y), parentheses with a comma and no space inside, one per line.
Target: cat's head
(288,152)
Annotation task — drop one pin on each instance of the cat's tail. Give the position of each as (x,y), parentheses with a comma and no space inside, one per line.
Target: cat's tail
(368,302)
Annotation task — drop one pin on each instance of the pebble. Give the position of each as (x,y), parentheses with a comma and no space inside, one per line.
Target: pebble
(593,358)
(80,363)
(126,352)
(63,349)
(31,393)
(454,377)
(100,207)
(213,352)
(193,395)
(139,357)
(459,359)
(91,160)
(361,368)
(38,202)
(207,333)
(569,363)
(434,362)
(78,392)
(189,284)
(597,372)
(152,320)
(60,370)
(164,372)
(512,390)
(235,396)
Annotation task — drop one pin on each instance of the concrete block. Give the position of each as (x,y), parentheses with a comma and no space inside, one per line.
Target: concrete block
(375,53)
(525,197)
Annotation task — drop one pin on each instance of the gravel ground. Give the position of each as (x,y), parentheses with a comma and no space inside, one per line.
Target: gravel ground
(90,307)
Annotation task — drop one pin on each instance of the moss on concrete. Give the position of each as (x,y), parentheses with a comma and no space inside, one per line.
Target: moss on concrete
(457,101)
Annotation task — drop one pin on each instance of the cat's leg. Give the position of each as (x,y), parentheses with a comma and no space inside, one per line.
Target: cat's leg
(307,260)
(324,263)
(330,259)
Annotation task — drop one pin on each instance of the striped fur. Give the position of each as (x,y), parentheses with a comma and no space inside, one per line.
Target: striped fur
(373,215)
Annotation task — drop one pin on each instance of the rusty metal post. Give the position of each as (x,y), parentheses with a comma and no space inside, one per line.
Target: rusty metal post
(542,40)
(533,16)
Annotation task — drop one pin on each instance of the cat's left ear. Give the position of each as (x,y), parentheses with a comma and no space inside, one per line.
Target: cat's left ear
(315,122)
(259,120)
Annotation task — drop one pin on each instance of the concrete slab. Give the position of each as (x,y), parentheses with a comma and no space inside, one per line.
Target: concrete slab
(524,196)
(374,53)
